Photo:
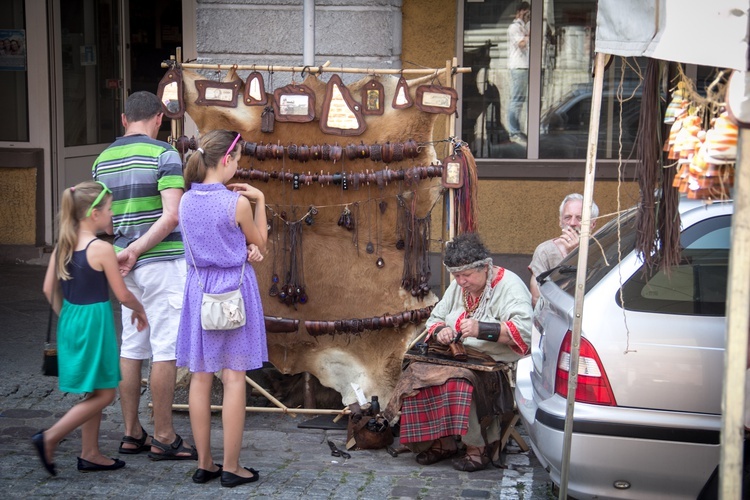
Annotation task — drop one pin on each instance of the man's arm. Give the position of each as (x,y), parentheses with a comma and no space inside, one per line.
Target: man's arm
(170,199)
(534,289)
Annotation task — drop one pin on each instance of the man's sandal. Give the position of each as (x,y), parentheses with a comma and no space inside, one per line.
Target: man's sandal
(435,453)
(172,451)
(140,444)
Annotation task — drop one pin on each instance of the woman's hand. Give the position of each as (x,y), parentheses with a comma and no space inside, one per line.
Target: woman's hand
(248,191)
(469,328)
(253,253)
(446,335)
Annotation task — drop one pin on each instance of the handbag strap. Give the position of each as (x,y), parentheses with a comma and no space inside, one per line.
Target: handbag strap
(192,258)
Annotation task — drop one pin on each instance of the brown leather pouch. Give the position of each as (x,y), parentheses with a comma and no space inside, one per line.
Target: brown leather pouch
(458,351)
(267,120)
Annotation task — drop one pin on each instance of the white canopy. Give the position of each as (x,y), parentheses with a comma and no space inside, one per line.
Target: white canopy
(705,32)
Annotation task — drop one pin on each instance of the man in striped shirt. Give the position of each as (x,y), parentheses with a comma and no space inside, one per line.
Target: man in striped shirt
(145,177)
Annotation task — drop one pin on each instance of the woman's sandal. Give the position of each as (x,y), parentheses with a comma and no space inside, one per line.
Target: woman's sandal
(172,451)
(472,462)
(435,453)
(140,444)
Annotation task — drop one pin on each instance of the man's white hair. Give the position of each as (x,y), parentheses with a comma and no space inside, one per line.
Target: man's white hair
(576,196)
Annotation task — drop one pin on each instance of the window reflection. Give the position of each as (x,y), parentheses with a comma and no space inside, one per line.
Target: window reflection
(487,89)
(561,70)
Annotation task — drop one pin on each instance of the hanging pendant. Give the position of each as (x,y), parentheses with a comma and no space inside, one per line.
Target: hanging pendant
(273,291)
(370,248)
(380,263)
(383,205)
(400,245)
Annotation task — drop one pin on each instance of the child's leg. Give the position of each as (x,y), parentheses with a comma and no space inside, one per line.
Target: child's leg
(90,407)
(233,420)
(90,431)
(200,417)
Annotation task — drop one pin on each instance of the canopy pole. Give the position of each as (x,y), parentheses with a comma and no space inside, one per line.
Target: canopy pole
(735,354)
(583,254)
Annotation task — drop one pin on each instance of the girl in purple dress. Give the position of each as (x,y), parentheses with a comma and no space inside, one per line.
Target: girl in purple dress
(220,232)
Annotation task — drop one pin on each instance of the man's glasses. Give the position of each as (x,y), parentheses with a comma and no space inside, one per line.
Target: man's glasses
(99,198)
(231,148)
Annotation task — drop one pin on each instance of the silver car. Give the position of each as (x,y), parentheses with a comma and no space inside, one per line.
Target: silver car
(648,405)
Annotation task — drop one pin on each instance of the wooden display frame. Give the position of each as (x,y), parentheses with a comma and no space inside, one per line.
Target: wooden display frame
(211,93)
(353,106)
(436,99)
(173,76)
(248,99)
(294,103)
(372,95)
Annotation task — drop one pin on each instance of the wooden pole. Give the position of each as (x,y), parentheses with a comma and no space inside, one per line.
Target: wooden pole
(735,354)
(268,395)
(320,69)
(271,409)
(583,254)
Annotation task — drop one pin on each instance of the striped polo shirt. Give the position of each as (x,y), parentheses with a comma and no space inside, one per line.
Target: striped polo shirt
(137,168)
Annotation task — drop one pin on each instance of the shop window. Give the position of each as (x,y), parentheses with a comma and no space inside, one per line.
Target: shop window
(495,118)
(14,106)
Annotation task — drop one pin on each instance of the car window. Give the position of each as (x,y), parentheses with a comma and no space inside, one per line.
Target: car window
(696,286)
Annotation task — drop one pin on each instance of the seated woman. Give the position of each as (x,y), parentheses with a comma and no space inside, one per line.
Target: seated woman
(488,308)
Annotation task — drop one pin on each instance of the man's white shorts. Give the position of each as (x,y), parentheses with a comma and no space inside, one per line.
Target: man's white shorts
(160,287)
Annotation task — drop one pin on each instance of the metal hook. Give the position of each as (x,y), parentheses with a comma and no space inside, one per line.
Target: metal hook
(306,68)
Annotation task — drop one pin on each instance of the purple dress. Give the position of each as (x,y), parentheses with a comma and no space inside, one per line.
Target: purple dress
(211,233)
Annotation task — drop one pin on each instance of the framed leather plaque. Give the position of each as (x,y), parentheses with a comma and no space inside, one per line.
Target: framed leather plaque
(436,99)
(254,93)
(170,94)
(453,172)
(342,115)
(211,93)
(401,98)
(372,98)
(294,103)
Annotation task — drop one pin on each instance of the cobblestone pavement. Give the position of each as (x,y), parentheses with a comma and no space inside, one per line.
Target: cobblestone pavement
(293,462)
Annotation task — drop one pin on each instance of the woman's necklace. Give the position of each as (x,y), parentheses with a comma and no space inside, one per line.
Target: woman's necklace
(470,303)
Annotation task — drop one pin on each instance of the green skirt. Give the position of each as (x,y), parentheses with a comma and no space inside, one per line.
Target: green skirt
(88,356)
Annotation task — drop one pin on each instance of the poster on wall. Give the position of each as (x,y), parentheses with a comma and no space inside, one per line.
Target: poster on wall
(12,50)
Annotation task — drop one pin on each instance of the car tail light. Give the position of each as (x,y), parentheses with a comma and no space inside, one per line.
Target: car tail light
(593,385)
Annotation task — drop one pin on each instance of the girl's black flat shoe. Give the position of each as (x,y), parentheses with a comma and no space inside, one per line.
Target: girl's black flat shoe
(229,480)
(203,476)
(86,466)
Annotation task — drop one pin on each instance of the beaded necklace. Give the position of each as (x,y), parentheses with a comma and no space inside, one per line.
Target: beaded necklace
(470,303)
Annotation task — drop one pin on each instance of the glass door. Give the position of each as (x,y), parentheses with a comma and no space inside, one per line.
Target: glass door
(87,52)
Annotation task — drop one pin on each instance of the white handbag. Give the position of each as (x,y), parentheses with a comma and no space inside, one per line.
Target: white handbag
(220,311)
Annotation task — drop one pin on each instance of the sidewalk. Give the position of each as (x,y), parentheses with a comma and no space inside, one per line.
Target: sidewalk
(293,463)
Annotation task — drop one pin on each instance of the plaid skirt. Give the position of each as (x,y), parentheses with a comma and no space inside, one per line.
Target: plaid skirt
(437,411)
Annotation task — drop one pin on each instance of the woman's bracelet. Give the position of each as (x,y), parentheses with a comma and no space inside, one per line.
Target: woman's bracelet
(489,331)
